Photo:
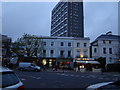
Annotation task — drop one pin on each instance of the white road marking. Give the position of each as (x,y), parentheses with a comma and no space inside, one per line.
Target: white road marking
(116,75)
(39,78)
(66,75)
(35,77)
(23,79)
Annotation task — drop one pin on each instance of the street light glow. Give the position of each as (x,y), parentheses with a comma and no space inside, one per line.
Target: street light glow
(81,55)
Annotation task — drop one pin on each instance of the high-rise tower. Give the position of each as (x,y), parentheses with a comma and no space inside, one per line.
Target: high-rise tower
(67,20)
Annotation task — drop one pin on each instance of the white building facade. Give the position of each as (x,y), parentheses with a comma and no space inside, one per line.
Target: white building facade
(106,46)
(65,47)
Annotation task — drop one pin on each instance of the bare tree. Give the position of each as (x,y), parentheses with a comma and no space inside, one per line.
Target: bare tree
(32,44)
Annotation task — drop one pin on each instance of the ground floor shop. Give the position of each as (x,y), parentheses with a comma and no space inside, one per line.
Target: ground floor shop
(89,65)
(52,62)
(48,62)
(68,63)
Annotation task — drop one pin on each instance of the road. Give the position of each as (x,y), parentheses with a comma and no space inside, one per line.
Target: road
(45,79)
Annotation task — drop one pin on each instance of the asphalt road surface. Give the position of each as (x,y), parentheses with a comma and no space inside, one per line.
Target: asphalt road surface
(45,79)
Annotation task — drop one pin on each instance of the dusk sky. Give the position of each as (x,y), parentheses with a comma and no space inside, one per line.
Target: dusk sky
(35,18)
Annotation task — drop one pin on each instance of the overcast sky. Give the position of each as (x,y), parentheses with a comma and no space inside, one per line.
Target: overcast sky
(35,18)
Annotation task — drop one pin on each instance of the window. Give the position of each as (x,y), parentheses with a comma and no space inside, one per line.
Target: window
(85,44)
(110,50)
(95,50)
(32,64)
(110,41)
(61,53)
(52,51)
(52,43)
(62,44)
(69,53)
(44,52)
(71,17)
(78,44)
(78,54)
(44,43)
(85,54)
(104,50)
(69,44)
(104,41)
(110,59)
(9,79)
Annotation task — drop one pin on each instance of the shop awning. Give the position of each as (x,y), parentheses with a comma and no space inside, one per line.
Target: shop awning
(87,61)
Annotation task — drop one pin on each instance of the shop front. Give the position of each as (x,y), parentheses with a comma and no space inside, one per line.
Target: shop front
(52,62)
(48,62)
(89,65)
(65,62)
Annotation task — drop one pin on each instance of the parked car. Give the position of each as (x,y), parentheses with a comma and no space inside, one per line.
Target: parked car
(10,80)
(28,66)
(105,86)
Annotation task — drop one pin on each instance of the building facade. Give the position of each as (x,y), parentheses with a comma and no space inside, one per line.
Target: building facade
(0,49)
(67,20)
(106,46)
(119,18)
(6,46)
(58,49)
(65,49)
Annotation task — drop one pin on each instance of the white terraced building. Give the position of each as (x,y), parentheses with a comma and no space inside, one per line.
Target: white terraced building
(66,47)
(106,46)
